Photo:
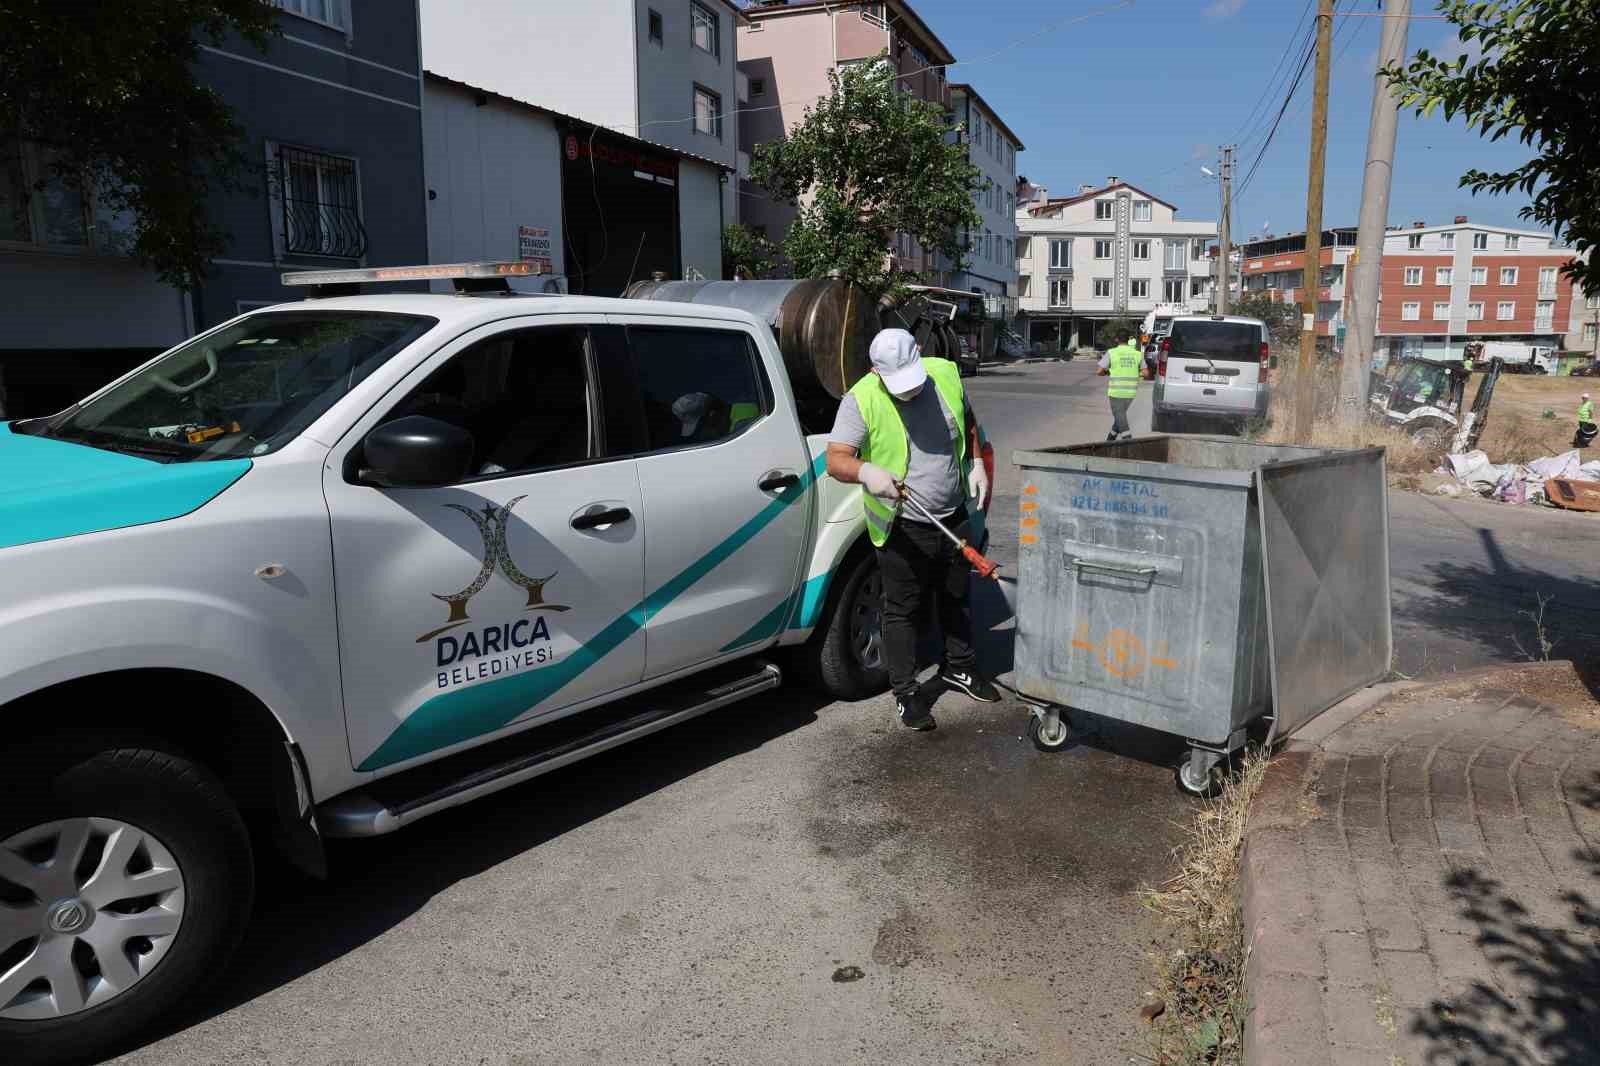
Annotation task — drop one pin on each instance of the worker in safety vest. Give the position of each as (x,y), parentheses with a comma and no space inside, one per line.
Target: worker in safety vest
(892,433)
(1124,364)
(1586,427)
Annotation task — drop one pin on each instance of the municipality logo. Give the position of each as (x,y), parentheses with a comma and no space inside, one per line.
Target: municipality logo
(491,523)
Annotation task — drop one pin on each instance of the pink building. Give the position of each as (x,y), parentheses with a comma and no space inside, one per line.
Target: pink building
(785,53)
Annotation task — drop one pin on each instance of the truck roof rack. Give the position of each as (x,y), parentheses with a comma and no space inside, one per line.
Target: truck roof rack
(466,278)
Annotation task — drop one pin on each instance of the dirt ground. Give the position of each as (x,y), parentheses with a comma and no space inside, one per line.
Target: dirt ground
(1517,430)
(1568,687)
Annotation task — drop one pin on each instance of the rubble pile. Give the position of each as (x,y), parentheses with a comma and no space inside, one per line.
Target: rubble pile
(1514,482)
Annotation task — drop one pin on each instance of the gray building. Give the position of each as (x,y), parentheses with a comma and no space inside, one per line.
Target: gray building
(332,110)
(991,263)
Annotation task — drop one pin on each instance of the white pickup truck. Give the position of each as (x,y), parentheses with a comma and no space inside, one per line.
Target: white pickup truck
(336,565)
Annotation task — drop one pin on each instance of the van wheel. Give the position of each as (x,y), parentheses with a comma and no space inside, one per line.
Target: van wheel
(846,657)
(126,881)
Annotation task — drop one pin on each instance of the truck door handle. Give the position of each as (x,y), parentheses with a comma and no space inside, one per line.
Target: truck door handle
(609,516)
(776,480)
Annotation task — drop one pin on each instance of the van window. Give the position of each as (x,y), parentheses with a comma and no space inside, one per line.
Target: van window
(698,386)
(1236,342)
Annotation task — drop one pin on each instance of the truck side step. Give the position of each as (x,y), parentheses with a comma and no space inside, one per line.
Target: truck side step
(403,798)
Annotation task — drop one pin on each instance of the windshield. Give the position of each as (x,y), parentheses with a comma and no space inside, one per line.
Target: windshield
(1234,342)
(243,391)
(1420,381)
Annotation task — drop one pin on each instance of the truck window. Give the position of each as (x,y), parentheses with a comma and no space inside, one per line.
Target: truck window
(1235,342)
(245,390)
(523,395)
(698,386)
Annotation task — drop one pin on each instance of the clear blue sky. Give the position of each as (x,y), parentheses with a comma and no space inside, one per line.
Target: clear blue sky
(1148,91)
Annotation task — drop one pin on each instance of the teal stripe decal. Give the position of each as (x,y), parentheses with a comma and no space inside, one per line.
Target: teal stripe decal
(812,593)
(464,713)
(51,488)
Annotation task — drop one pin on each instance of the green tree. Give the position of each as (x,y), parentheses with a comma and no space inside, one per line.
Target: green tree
(746,252)
(109,89)
(1533,69)
(866,163)
(1283,320)
(1114,331)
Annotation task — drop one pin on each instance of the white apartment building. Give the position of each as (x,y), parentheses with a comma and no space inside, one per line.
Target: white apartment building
(991,266)
(1108,252)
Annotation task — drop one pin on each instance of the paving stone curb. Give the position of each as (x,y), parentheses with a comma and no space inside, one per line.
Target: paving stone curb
(1419,886)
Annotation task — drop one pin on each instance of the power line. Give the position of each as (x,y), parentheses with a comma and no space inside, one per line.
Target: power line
(1273,79)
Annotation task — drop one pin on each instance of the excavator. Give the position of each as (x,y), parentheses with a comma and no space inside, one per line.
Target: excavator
(1423,399)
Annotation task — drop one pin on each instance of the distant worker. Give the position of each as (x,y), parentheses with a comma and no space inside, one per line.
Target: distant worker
(893,431)
(1586,427)
(1124,365)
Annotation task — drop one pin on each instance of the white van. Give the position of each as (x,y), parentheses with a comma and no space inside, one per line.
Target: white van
(1211,367)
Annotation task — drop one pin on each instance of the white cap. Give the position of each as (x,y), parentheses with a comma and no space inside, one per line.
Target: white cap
(898,360)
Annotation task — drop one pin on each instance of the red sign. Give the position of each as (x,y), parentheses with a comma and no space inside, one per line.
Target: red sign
(572,147)
(622,156)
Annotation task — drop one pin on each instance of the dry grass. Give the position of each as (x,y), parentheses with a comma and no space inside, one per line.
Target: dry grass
(1403,455)
(1201,984)
(1517,429)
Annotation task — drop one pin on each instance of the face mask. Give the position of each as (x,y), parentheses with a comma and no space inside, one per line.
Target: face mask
(904,397)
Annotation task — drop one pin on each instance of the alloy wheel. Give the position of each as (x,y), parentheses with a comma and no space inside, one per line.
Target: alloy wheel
(866,622)
(88,908)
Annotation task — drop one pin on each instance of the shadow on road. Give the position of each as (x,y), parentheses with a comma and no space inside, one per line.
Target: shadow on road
(375,885)
(1545,1004)
(1498,607)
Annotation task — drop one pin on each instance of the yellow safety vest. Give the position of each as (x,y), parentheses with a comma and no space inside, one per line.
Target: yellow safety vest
(1123,364)
(1586,411)
(889,446)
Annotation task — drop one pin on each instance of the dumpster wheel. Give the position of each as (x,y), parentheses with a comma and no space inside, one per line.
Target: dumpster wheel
(1192,781)
(1048,729)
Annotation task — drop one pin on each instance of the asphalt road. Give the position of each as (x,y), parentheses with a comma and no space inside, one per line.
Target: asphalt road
(696,896)
(691,897)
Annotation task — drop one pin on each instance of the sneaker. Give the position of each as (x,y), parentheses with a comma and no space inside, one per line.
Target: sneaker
(1111,436)
(969,682)
(914,713)
(1127,436)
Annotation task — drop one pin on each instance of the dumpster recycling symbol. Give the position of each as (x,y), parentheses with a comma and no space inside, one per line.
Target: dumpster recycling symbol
(1121,653)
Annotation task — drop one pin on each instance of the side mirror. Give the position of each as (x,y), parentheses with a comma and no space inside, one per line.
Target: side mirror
(416,451)
(1272,362)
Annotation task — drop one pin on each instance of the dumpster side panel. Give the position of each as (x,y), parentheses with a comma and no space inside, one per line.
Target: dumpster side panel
(1325,542)
(1129,601)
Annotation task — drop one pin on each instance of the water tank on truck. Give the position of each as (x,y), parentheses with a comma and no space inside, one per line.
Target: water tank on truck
(824,327)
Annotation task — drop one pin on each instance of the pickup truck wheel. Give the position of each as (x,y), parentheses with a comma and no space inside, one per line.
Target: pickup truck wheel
(125,881)
(848,659)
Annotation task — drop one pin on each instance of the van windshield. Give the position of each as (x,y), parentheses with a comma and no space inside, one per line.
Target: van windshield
(245,390)
(1234,342)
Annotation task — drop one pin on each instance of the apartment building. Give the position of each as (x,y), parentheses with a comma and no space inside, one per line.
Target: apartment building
(629,79)
(332,113)
(786,51)
(1441,287)
(1106,252)
(991,265)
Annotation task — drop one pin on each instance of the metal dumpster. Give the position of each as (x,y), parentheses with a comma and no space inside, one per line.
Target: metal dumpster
(1199,585)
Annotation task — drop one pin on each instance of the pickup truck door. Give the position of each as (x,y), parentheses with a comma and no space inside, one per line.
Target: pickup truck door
(474,608)
(727,482)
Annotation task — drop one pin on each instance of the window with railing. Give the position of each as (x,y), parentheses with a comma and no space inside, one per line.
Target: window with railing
(317,197)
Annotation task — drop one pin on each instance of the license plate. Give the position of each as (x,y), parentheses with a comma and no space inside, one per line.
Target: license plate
(1209,379)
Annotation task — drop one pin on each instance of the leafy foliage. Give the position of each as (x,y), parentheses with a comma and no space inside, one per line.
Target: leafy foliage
(1533,71)
(1113,332)
(110,88)
(747,253)
(1283,320)
(866,163)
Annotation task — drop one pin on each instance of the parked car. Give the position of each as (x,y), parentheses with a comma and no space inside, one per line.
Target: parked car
(336,565)
(1211,369)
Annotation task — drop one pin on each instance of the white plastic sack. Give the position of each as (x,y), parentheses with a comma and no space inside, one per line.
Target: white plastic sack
(1564,465)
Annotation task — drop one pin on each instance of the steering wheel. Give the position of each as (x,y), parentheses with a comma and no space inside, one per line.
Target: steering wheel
(173,387)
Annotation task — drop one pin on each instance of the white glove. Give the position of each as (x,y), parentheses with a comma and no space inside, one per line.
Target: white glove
(878,481)
(978,484)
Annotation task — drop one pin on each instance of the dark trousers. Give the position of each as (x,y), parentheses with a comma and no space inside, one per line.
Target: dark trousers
(918,562)
(1585,435)
(1119,413)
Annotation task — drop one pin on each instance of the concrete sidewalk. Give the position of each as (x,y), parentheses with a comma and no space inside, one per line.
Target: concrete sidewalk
(1422,879)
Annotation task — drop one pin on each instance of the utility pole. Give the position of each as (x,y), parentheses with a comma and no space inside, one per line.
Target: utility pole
(1311,276)
(1227,229)
(1363,283)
